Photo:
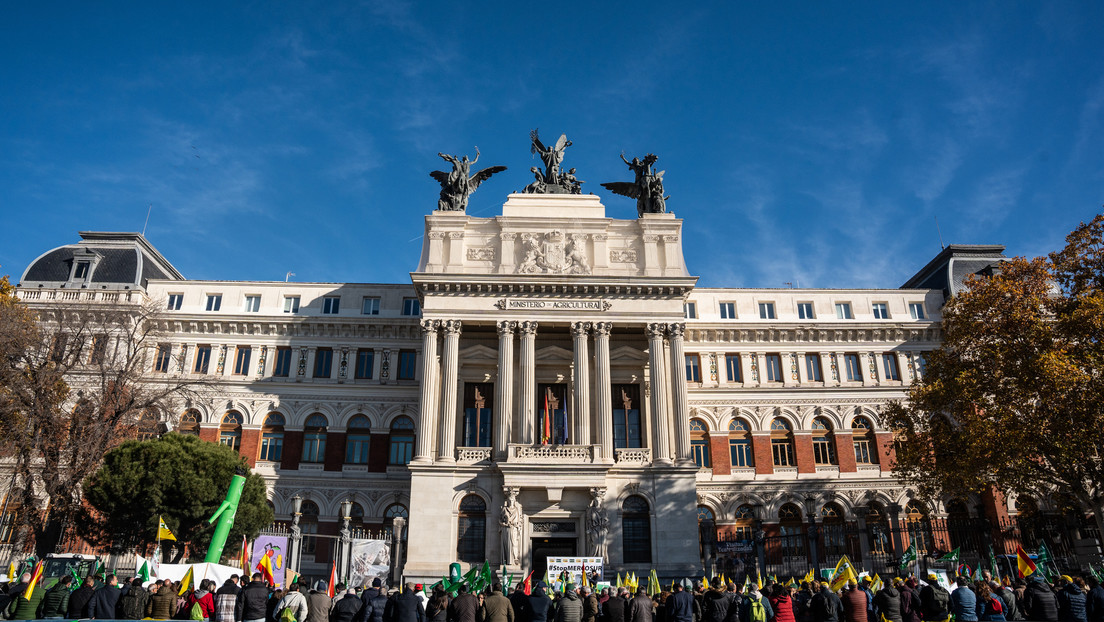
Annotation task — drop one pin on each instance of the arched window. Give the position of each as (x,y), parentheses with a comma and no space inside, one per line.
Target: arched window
(636,530)
(699,443)
(308,523)
(782,446)
(707,526)
(189,423)
(393,511)
(919,526)
(356,516)
(835,537)
(739,444)
(314,438)
(877,526)
(792,530)
(148,425)
(863,434)
(272,438)
(230,431)
(472,545)
(824,447)
(745,522)
(402,441)
(357,440)
(10,516)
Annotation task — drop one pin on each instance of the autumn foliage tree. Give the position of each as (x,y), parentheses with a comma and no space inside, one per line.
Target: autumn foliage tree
(1014,398)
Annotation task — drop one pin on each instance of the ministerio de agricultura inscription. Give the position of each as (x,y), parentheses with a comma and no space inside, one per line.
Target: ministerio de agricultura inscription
(553,304)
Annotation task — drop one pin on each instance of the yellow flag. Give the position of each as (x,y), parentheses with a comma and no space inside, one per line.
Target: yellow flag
(844,573)
(705,583)
(724,581)
(163,532)
(808,577)
(186,582)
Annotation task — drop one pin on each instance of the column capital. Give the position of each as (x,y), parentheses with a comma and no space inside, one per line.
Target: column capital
(430,326)
(602,328)
(580,329)
(527,327)
(506,328)
(451,327)
(676,330)
(655,330)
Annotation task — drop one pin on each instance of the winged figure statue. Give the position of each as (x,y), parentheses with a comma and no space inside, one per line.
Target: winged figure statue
(459,183)
(552,180)
(646,188)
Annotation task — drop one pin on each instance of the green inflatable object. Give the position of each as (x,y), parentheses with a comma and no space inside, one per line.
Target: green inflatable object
(225,515)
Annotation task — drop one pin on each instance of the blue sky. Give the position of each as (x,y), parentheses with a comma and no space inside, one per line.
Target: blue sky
(810,143)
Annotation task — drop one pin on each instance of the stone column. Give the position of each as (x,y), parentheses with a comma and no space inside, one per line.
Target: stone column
(679,404)
(894,512)
(603,416)
(504,388)
(528,380)
(449,364)
(423,448)
(660,415)
(864,533)
(580,332)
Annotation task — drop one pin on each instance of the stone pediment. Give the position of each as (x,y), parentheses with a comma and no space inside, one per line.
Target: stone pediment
(626,354)
(554,353)
(479,353)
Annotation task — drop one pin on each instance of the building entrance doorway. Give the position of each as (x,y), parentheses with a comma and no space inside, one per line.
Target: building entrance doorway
(543,548)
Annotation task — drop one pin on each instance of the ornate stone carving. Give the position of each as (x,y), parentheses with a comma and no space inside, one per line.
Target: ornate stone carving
(553,454)
(343,365)
(602,328)
(713,366)
(527,327)
(655,330)
(793,367)
(436,235)
(385,365)
(670,239)
(301,368)
(451,327)
(580,329)
(676,330)
(554,253)
(597,524)
(510,521)
(506,327)
(622,255)
(430,325)
(184,355)
(481,253)
(456,235)
(221,360)
(507,235)
(640,456)
(473,455)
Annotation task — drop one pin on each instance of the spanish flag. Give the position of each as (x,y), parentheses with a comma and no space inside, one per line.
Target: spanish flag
(245,557)
(163,532)
(36,575)
(265,568)
(1023,560)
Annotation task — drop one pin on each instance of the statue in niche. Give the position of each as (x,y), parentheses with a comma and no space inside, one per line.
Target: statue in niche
(597,524)
(458,184)
(646,188)
(510,521)
(576,255)
(552,180)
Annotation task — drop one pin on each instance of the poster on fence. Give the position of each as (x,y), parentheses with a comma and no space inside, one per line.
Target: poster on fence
(370,559)
(574,567)
(276,548)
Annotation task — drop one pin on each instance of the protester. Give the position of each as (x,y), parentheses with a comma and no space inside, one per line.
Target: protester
(226,600)
(854,603)
(935,601)
(888,602)
(496,607)
(591,608)
(570,607)
(273,601)
(1008,600)
(407,607)
(1072,601)
(616,608)
(964,602)
(520,602)
(55,602)
(250,605)
(715,602)
(347,607)
(825,605)
(463,608)
(865,585)
(21,607)
(640,607)
(540,605)
(680,605)
(295,601)
(319,603)
(1095,601)
(801,603)
(782,604)
(910,600)
(756,608)
(375,603)
(161,605)
(102,604)
(132,604)
(989,606)
(1039,602)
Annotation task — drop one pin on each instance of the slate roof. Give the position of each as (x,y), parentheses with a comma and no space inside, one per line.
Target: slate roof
(123,259)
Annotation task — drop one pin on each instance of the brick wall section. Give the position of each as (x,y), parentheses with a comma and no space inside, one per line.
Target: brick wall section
(209,434)
(378,453)
(884,441)
(718,451)
(761,447)
(251,446)
(335,451)
(803,451)
(293,450)
(845,452)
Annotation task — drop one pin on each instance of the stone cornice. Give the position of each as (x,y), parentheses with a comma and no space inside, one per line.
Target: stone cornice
(545,285)
(698,335)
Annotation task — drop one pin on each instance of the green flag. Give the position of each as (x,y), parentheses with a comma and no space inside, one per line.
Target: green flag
(953,556)
(1043,560)
(77,581)
(908,558)
(993,562)
(144,571)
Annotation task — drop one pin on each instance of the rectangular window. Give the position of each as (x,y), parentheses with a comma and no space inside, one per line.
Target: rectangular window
(889,364)
(331,305)
(693,368)
(58,347)
(282,368)
(241,360)
(854,367)
(823,452)
(401,449)
(690,310)
(408,359)
(164,357)
(766,311)
(252,304)
(175,300)
(626,416)
(774,367)
(916,310)
(843,311)
(862,451)
(881,311)
(365,360)
(99,350)
(214,302)
(291,304)
(202,359)
(314,447)
(728,310)
(812,368)
(81,270)
(478,411)
(740,452)
(921,364)
(272,446)
(370,306)
(805,311)
(323,362)
(636,539)
(732,367)
(411,306)
(782,452)
(230,438)
(699,452)
(356,447)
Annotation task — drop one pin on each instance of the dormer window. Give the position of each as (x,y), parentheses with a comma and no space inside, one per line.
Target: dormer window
(81,270)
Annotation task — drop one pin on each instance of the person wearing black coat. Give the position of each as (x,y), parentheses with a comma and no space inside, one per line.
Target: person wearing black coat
(888,602)
(252,600)
(1095,604)
(1040,603)
(540,605)
(405,607)
(374,600)
(78,600)
(103,602)
(615,608)
(520,600)
(346,608)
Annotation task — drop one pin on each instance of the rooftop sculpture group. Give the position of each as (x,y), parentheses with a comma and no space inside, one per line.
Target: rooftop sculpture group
(460,183)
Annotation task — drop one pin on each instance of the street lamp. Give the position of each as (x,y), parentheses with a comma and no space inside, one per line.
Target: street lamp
(296,532)
(398,524)
(344,543)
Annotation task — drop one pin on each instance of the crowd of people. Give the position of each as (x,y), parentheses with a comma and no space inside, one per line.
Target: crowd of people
(1070,599)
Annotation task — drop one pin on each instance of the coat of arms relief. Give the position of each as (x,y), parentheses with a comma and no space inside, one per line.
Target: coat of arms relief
(554,253)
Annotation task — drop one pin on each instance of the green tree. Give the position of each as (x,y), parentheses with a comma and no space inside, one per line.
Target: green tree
(1014,398)
(178,477)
